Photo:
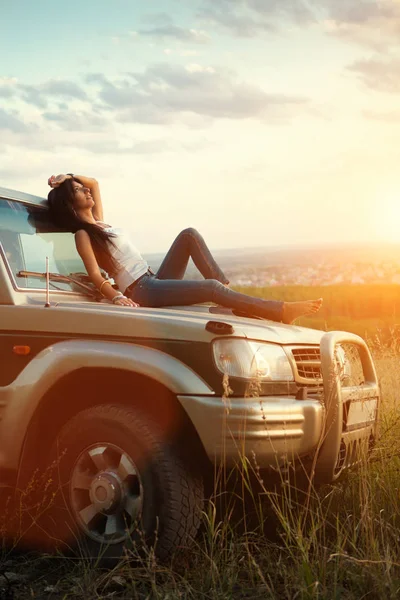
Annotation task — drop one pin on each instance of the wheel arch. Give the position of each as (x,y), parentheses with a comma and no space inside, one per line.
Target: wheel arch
(87,387)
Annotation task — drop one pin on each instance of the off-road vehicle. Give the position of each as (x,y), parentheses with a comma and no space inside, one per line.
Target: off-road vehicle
(133,407)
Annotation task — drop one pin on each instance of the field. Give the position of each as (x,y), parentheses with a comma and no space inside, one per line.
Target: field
(367,310)
(340,542)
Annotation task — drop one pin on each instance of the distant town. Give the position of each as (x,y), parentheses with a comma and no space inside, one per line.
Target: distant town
(319,274)
(307,266)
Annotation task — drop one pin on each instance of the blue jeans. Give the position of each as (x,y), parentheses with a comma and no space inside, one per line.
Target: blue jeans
(167,288)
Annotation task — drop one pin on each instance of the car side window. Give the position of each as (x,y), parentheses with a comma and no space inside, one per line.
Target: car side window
(27,238)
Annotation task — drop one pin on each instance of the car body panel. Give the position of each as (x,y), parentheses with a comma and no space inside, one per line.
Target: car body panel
(20,399)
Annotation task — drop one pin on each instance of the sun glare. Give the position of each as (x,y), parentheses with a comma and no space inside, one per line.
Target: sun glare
(387,217)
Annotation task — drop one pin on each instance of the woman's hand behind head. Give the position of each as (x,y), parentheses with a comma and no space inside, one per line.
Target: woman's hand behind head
(55,181)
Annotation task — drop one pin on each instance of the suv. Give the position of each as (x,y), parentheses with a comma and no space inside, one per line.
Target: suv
(133,407)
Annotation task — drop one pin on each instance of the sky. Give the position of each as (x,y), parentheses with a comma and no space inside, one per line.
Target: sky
(259,122)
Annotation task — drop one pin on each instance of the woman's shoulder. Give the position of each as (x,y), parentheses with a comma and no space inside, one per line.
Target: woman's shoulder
(82,235)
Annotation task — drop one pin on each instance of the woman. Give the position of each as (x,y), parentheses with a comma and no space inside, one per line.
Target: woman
(75,204)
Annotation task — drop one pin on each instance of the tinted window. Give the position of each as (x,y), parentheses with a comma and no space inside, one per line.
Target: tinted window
(27,237)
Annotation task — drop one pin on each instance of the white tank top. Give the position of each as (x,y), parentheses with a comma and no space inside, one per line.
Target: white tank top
(127,256)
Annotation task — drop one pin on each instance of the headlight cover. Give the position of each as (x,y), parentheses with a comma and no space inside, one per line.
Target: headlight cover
(252,360)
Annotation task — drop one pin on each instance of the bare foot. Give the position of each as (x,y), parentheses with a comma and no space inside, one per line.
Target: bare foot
(294,310)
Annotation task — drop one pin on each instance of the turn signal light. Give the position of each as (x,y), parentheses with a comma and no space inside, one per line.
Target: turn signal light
(22,350)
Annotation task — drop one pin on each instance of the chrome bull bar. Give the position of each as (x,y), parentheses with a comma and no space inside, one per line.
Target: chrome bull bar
(351,413)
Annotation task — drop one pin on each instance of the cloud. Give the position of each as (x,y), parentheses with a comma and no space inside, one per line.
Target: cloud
(41,94)
(6,91)
(8,87)
(144,147)
(367,22)
(96,113)
(95,78)
(73,120)
(196,68)
(189,52)
(160,27)
(248,18)
(170,31)
(378,74)
(390,116)
(181,52)
(164,93)
(157,19)
(236,23)
(365,12)
(12,123)
(375,25)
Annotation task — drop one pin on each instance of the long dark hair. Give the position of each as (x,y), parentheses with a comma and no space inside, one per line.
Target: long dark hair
(62,213)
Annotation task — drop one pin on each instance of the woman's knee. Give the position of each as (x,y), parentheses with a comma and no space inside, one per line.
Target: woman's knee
(190,231)
(214,286)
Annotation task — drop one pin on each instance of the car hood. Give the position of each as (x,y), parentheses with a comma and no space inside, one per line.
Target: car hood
(179,323)
(270,331)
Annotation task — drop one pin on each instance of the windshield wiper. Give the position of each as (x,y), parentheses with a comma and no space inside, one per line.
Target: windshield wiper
(61,279)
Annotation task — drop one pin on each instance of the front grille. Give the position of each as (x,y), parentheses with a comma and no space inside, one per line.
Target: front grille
(308,362)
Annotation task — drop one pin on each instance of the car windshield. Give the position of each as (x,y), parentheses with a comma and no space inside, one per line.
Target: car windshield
(27,237)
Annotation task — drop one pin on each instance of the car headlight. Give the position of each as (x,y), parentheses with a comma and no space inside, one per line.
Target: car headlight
(252,360)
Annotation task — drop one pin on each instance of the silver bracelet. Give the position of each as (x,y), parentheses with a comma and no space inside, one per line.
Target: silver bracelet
(120,295)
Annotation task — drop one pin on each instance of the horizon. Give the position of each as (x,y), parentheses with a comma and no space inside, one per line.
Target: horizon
(376,244)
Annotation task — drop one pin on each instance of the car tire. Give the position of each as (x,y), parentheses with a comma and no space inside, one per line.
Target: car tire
(119,485)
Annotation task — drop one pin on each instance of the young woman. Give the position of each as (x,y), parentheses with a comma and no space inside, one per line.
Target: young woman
(75,205)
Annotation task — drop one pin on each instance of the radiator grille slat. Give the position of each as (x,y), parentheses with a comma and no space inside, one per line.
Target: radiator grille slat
(308,363)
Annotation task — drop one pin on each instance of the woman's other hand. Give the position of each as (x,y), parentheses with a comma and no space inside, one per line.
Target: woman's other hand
(123,301)
(55,181)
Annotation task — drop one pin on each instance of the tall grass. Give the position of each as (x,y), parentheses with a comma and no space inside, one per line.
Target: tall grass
(341,541)
(260,541)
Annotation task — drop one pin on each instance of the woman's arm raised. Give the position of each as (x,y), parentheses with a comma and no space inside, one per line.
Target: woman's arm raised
(89,182)
(84,247)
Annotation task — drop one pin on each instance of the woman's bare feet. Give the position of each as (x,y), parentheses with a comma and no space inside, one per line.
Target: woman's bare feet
(294,310)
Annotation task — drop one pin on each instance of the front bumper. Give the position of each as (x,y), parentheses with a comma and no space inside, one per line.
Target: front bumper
(268,430)
(334,429)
